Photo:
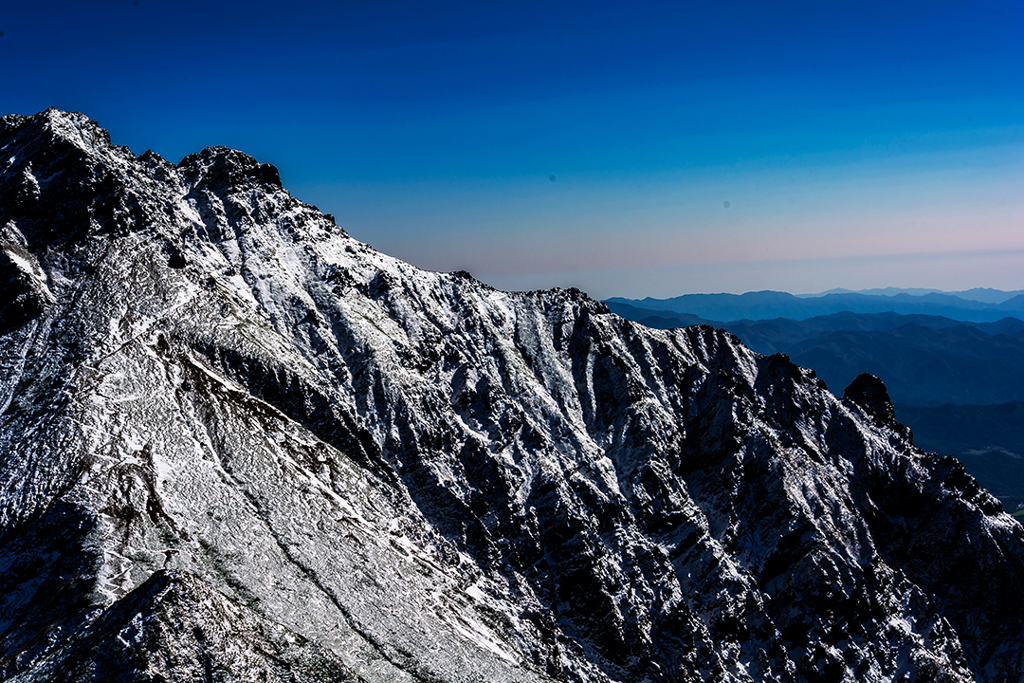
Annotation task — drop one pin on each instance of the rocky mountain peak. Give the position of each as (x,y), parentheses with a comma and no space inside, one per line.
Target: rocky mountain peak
(868,392)
(233,434)
(56,128)
(224,168)
(63,180)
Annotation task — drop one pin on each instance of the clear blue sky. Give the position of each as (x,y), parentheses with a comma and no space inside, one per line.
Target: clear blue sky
(712,146)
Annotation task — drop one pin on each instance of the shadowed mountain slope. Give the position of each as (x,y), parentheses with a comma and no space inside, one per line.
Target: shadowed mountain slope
(988,439)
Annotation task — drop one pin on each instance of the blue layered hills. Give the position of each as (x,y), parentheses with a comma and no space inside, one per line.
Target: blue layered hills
(977,305)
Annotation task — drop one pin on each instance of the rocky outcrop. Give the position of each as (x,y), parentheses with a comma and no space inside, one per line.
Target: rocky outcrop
(868,393)
(229,428)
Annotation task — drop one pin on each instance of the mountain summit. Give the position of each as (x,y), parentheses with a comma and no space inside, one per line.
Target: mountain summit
(238,444)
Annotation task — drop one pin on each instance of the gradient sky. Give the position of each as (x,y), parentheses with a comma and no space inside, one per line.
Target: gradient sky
(630,149)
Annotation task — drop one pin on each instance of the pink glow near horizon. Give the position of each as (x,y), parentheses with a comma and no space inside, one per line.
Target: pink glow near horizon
(955,231)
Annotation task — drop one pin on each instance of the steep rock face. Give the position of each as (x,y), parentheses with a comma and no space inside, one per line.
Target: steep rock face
(419,477)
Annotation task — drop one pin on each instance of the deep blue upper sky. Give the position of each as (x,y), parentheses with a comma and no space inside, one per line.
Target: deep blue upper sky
(693,146)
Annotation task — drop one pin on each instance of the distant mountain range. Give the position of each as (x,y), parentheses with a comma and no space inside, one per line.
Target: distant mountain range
(984,294)
(975,305)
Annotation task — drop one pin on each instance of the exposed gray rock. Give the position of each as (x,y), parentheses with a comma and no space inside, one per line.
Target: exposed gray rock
(423,478)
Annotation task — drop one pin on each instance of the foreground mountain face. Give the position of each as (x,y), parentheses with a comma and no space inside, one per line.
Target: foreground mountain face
(238,444)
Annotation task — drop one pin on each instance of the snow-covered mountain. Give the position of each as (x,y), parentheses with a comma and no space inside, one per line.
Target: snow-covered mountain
(238,444)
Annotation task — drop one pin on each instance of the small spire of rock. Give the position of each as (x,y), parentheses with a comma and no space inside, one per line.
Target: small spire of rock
(868,392)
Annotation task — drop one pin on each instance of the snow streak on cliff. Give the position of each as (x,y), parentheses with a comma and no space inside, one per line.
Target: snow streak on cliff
(236,443)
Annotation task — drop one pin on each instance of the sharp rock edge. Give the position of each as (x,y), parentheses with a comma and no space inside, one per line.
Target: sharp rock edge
(238,444)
